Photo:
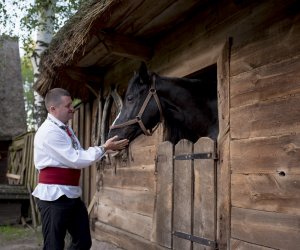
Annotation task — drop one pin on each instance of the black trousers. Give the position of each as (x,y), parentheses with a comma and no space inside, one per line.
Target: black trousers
(60,216)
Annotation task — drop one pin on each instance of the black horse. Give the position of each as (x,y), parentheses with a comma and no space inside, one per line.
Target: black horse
(186,107)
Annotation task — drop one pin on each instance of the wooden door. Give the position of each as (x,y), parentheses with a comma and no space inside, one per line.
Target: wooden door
(194,212)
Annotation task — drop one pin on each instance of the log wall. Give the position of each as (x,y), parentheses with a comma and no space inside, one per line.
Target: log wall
(264,96)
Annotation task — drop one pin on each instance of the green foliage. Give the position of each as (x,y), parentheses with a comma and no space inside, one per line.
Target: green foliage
(12,236)
(76,102)
(12,232)
(21,17)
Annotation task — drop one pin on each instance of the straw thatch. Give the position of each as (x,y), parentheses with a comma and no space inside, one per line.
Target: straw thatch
(103,33)
(12,114)
(69,44)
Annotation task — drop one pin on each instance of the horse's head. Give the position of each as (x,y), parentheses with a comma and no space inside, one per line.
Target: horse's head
(141,110)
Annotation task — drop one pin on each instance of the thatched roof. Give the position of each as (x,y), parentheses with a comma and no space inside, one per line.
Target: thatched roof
(13,116)
(70,41)
(82,50)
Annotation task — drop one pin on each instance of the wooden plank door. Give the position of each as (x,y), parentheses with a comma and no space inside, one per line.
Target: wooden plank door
(205,194)
(183,195)
(194,215)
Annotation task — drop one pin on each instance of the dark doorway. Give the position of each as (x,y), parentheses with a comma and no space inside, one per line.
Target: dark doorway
(208,76)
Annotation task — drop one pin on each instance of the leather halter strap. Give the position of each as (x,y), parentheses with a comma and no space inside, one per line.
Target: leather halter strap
(138,118)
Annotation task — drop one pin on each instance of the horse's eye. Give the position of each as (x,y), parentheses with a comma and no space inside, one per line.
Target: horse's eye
(129,97)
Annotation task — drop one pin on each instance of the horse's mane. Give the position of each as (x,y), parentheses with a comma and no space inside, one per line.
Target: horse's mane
(176,133)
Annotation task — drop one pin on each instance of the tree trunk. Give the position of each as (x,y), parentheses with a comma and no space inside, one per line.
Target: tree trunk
(43,37)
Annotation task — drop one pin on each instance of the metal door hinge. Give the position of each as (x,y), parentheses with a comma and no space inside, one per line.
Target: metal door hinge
(199,240)
(209,155)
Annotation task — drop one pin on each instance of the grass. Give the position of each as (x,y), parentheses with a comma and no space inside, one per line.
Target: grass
(17,233)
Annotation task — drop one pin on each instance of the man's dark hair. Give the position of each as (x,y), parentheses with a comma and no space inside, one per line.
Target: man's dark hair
(53,97)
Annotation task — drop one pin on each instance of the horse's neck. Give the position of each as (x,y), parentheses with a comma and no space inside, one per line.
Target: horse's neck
(186,115)
(174,94)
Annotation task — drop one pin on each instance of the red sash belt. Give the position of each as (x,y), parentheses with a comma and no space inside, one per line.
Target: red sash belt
(60,176)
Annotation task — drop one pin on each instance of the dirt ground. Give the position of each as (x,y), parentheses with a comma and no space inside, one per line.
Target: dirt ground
(16,237)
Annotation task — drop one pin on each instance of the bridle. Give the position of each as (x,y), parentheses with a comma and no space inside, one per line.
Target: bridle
(138,118)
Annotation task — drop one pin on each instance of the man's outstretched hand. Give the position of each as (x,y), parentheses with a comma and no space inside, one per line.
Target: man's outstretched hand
(113,144)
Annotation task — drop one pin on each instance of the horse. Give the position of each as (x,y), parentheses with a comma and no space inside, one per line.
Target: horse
(187,107)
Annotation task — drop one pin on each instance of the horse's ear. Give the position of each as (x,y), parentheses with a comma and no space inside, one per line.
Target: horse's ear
(143,72)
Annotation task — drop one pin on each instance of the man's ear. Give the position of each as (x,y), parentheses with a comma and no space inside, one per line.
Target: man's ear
(51,109)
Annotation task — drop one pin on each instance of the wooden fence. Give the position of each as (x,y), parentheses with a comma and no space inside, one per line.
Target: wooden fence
(21,173)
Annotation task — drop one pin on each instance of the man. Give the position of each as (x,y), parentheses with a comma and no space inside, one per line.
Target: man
(59,158)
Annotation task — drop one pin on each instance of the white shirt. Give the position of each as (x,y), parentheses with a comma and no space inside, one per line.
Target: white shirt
(53,147)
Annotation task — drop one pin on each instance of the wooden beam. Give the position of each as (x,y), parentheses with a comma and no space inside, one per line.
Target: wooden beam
(88,74)
(115,44)
(13,176)
(126,46)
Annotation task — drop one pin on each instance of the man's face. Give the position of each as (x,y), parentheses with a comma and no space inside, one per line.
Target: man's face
(64,111)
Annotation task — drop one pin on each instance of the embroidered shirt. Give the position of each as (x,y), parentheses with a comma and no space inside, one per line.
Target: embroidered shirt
(53,147)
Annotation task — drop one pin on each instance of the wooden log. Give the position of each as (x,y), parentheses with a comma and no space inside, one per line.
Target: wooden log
(162,220)
(75,127)
(17,144)
(167,17)
(144,155)
(13,176)
(267,192)
(223,90)
(145,12)
(183,193)
(33,172)
(126,46)
(93,141)
(187,54)
(131,222)
(13,192)
(269,229)
(99,119)
(269,81)
(32,206)
(131,178)
(135,201)
(87,143)
(81,119)
(29,154)
(269,155)
(264,119)
(143,150)
(93,56)
(92,203)
(105,117)
(281,41)
(223,167)
(224,199)
(122,238)
(242,245)
(24,160)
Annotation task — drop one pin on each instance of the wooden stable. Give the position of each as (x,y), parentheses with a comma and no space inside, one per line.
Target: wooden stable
(247,197)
